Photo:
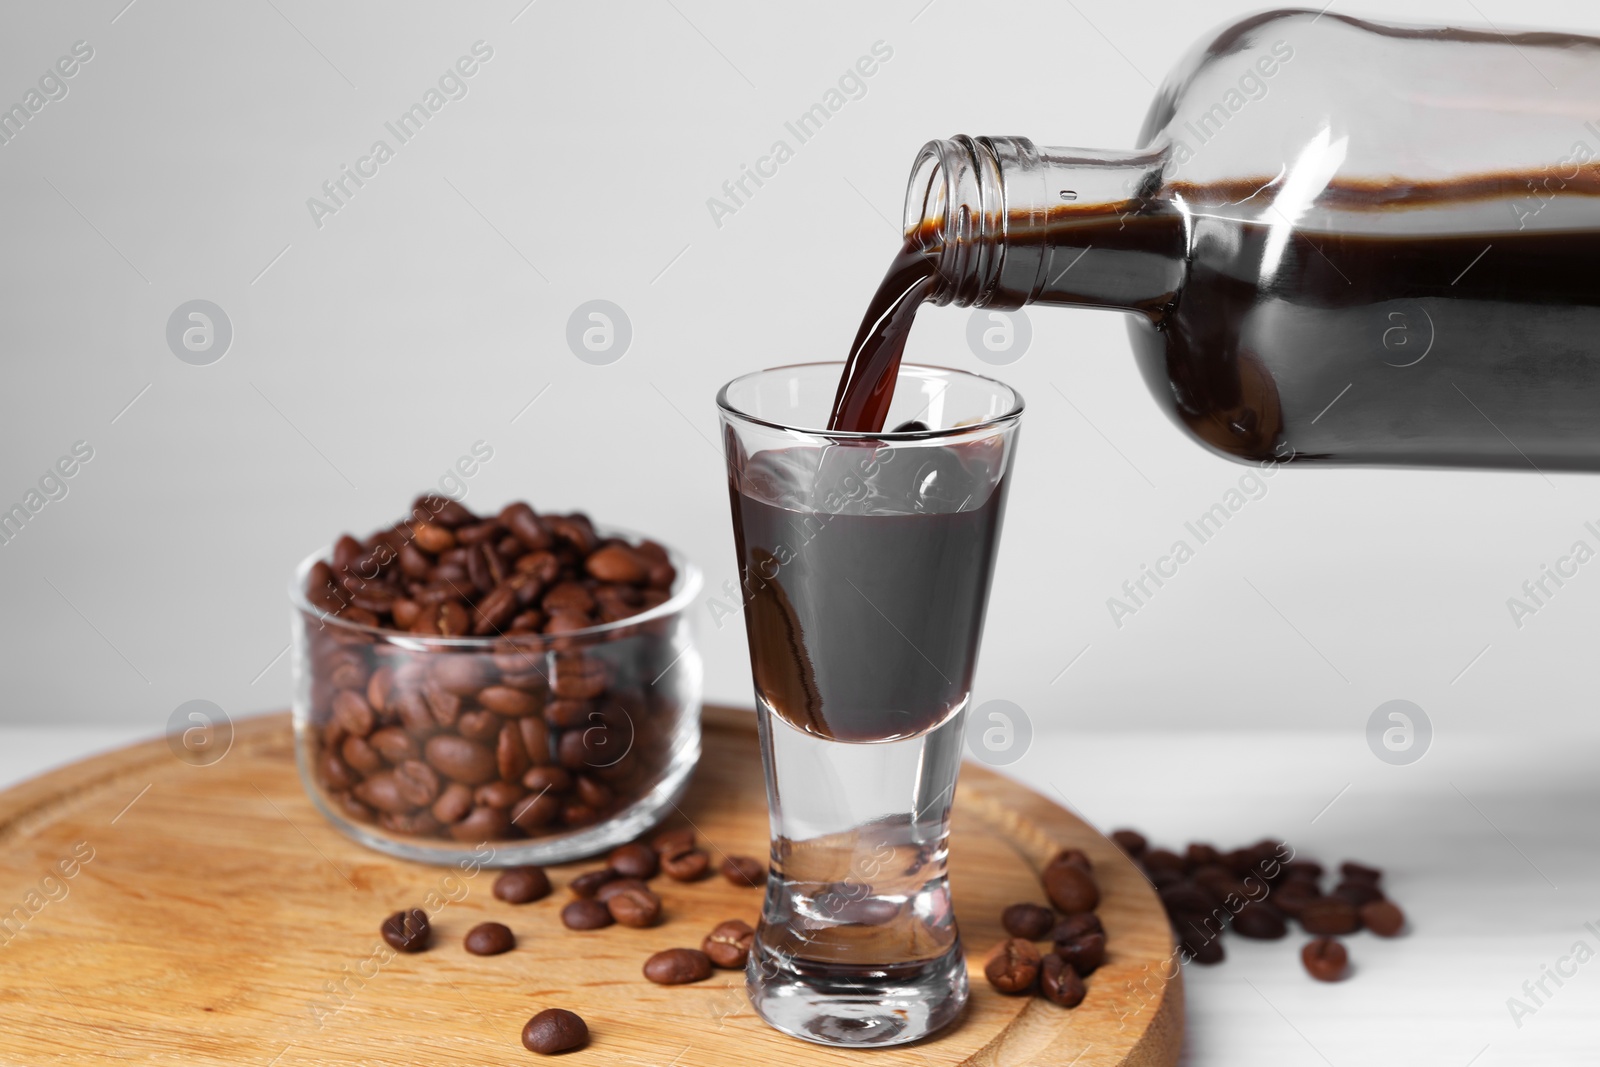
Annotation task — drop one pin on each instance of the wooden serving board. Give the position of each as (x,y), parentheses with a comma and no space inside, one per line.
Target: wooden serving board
(159,912)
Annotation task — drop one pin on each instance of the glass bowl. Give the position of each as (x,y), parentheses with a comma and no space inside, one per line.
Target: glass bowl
(547,748)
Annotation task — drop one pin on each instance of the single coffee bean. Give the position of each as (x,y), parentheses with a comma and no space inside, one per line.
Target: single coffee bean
(1072,857)
(1383,918)
(522,885)
(490,939)
(1014,967)
(554,1030)
(728,945)
(431,538)
(407,931)
(678,839)
(512,703)
(395,745)
(617,885)
(1352,871)
(360,755)
(1358,892)
(498,794)
(454,802)
(588,883)
(1086,953)
(745,871)
(1130,841)
(686,865)
(677,966)
(459,759)
(637,908)
(382,791)
(1203,949)
(1075,926)
(1325,959)
(1260,922)
(483,726)
(460,673)
(417,782)
(586,914)
(1028,921)
(1330,915)
(482,824)
(1159,859)
(1059,982)
(617,563)
(1303,870)
(1070,888)
(353,713)
(510,756)
(635,861)
(530,813)
(1186,898)
(596,794)
(1293,896)
(547,779)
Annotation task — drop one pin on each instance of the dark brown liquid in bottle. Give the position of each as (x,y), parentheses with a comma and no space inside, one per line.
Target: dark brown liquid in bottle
(866,388)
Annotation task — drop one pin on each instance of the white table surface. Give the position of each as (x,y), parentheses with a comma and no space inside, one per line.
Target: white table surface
(1490,843)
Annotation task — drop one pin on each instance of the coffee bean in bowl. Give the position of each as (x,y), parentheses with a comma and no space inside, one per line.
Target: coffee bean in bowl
(518,680)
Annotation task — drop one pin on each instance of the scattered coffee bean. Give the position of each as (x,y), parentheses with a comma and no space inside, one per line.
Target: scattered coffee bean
(677,966)
(1059,982)
(1325,959)
(637,908)
(1330,915)
(1072,857)
(1075,926)
(1014,967)
(407,931)
(1203,949)
(586,914)
(1070,887)
(1358,892)
(490,939)
(554,1030)
(745,871)
(1086,953)
(522,885)
(686,865)
(1206,889)
(728,946)
(1383,918)
(588,883)
(635,861)
(1303,870)
(618,885)
(1259,922)
(1130,841)
(674,840)
(1030,922)
(1352,871)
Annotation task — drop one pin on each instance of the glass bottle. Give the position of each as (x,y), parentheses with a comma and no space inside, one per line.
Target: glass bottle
(1337,241)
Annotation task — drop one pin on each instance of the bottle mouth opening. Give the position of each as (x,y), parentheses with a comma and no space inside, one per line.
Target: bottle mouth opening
(956,209)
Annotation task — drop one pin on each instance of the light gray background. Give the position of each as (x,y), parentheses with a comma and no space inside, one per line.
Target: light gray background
(370,353)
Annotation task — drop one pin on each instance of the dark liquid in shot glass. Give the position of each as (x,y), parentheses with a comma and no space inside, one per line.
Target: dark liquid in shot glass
(864,620)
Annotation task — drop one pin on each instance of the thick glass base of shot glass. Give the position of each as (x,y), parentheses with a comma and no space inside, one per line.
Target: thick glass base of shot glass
(857,944)
(857,1007)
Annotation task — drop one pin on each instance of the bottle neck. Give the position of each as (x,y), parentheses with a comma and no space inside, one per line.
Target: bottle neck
(1012,224)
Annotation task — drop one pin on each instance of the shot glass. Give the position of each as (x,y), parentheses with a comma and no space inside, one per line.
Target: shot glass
(865,563)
